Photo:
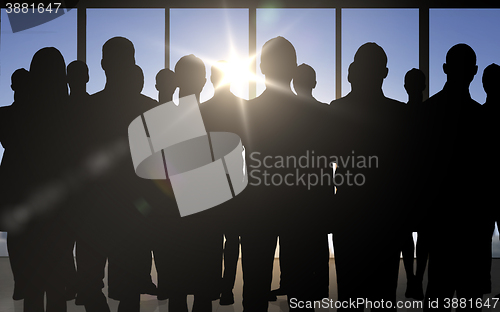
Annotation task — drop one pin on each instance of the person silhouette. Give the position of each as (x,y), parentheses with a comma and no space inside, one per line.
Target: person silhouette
(224,109)
(78,76)
(190,76)
(491,78)
(192,262)
(224,112)
(279,123)
(258,247)
(414,84)
(20,85)
(41,243)
(490,108)
(366,234)
(451,117)
(110,226)
(134,86)
(231,254)
(166,85)
(136,80)
(304,81)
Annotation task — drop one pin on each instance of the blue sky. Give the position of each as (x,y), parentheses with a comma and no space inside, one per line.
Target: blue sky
(217,34)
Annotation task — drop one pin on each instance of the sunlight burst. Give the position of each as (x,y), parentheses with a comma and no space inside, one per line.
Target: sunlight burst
(237,73)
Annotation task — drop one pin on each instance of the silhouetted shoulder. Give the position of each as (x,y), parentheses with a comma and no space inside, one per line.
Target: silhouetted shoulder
(255,100)
(222,102)
(6,118)
(474,104)
(149,101)
(395,102)
(444,99)
(224,113)
(396,106)
(274,98)
(97,101)
(341,101)
(352,100)
(5,113)
(98,94)
(320,103)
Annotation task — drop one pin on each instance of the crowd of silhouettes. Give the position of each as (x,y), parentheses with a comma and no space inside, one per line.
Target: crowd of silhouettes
(67,178)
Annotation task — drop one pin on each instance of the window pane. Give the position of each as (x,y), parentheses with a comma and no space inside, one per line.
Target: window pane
(17,50)
(475,27)
(144,27)
(395,30)
(312,33)
(212,35)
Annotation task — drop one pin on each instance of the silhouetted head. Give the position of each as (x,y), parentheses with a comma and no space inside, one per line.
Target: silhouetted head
(136,79)
(48,75)
(190,74)
(278,61)
(369,68)
(218,72)
(460,66)
(117,56)
(78,73)
(304,80)
(414,81)
(491,80)
(20,80)
(20,84)
(166,83)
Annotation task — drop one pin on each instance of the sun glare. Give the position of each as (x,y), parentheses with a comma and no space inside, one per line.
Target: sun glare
(237,73)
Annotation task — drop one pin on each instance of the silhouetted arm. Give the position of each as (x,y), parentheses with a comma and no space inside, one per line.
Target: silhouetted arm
(5,122)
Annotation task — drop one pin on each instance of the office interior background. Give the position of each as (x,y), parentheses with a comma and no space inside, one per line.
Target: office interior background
(325,35)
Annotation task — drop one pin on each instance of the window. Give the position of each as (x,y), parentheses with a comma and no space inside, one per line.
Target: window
(144,27)
(212,35)
(475,27)
(312,33)
(395,30)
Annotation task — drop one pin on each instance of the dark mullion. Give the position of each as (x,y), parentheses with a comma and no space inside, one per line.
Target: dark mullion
(167,37)
(81,32)
(338,52)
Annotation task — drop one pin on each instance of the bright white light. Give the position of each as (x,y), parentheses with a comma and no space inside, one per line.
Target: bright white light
(237,73)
